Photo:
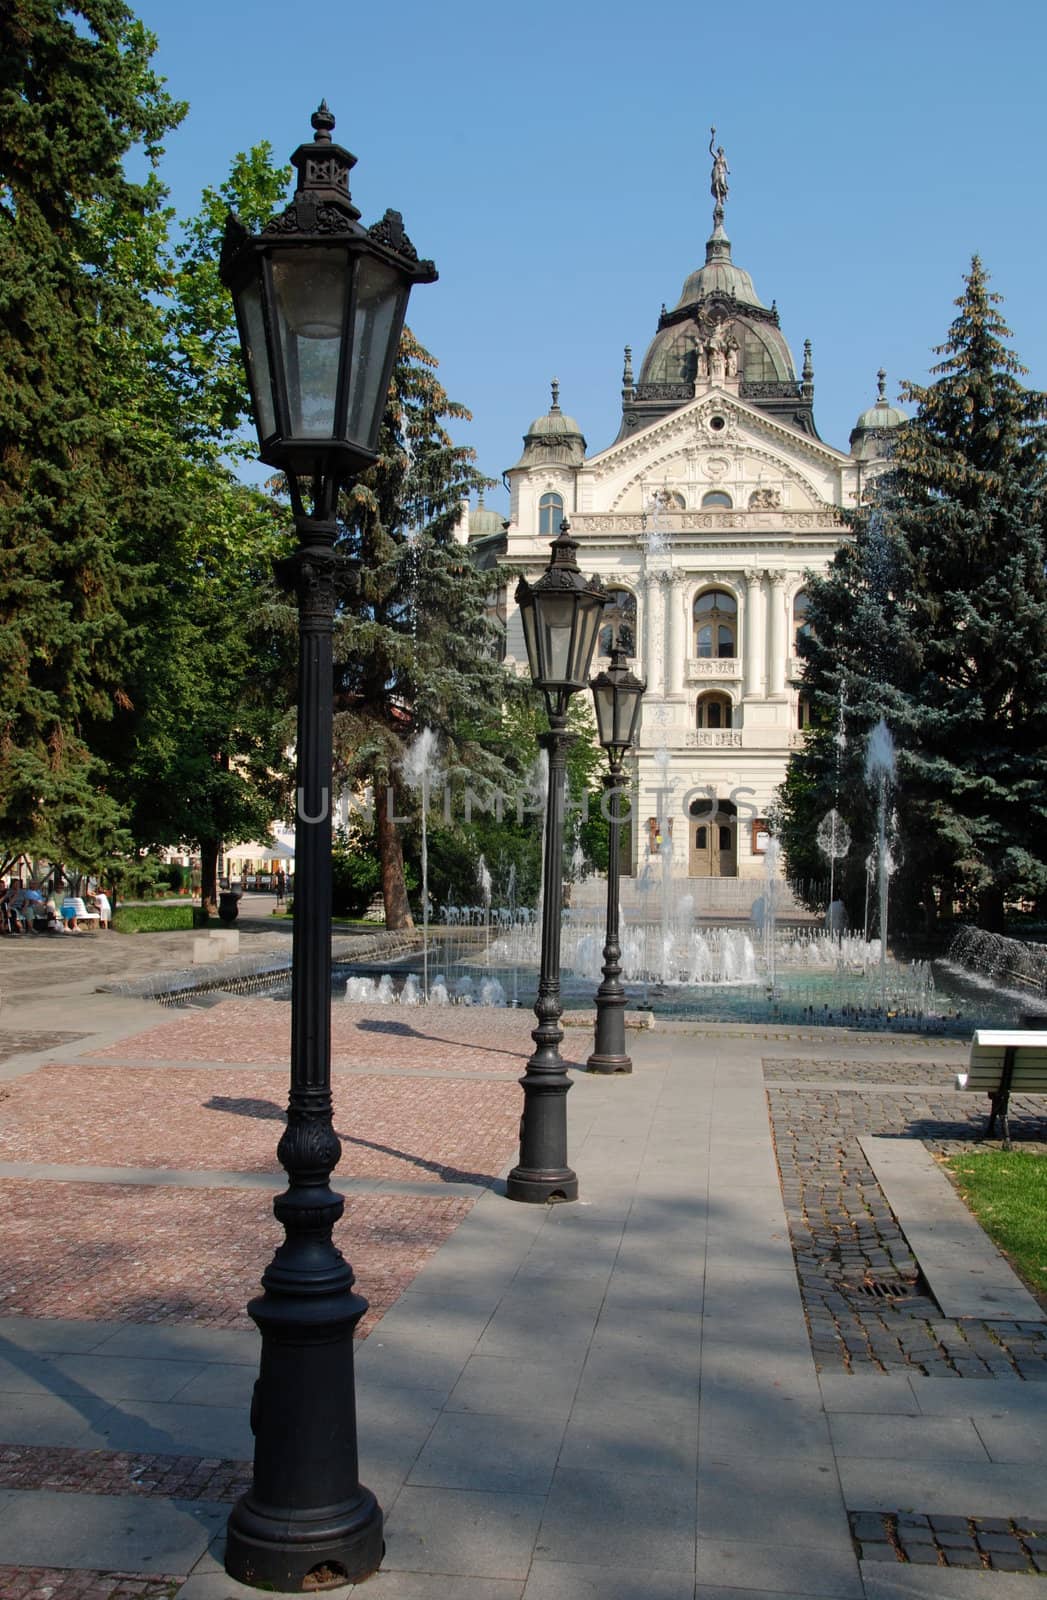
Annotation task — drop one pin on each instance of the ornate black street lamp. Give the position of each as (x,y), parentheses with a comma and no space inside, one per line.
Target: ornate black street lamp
(320,303)
(561,617)
(617,693)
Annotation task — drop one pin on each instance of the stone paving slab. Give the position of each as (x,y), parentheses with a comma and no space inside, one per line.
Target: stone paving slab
(771,1568)
(967,1274)
(969,1489)
(883,1582)
(106,1531)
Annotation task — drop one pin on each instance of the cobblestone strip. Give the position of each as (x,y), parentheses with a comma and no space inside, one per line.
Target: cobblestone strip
(915,1072)
(58,1583)
(65,1469)
(995,1544)
(867,1308)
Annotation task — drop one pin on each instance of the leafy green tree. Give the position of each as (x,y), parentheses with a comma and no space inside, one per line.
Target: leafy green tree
(88,480)
(199,757)
(935,617)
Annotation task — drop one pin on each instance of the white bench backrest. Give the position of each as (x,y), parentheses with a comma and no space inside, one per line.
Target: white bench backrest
(986,1060)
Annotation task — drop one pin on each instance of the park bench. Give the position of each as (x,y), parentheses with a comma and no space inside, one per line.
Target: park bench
(1002,1063)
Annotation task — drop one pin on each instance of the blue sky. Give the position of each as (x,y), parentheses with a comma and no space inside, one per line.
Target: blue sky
(553,160)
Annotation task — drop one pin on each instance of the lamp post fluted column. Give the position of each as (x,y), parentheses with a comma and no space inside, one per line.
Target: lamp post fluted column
(306,1508)
(320,303)
(609,1054)
(560,615)
(542,1172)
(617,696)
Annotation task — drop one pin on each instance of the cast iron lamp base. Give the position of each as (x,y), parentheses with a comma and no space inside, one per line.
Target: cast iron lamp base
(269,1550)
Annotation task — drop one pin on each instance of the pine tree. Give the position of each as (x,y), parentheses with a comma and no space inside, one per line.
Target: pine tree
(936,618)
(88,479)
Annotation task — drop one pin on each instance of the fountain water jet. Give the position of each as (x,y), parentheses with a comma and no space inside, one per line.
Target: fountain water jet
(879,770)
(421,771)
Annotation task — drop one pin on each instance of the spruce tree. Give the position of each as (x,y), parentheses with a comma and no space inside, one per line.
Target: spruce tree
(415,646)
(936,618)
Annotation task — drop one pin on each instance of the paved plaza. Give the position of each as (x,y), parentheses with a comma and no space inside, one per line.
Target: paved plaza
(727,1372)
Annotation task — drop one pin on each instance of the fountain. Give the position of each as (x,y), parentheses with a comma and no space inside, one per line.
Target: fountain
(421,771)
(879,771)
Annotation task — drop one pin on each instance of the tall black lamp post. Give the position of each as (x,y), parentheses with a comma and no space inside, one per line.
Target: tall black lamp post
(320,303)
(561,618)
(618,694)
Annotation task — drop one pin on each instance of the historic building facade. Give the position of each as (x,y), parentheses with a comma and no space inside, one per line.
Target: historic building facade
(703,517)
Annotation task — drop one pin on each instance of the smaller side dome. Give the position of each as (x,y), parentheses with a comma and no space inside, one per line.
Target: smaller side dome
(554,439)
(483,522)
(870,435)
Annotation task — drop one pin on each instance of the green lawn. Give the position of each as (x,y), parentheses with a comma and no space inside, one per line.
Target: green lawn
(1007,1191)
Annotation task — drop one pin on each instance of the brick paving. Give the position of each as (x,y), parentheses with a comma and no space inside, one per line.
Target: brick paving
(66,1470)
(469,1039)
(54,1583)
(140,1253)
(866,1306)
(404,1128)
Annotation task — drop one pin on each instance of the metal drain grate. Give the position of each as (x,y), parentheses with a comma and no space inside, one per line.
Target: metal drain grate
(882,1288)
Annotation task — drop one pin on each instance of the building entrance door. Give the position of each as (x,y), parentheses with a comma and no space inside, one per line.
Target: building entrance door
(713,847)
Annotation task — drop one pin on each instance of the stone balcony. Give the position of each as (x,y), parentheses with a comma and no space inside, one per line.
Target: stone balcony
(702,668)
(714,739)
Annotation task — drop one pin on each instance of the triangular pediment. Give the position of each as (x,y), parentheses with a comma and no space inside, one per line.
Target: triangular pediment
(691,425)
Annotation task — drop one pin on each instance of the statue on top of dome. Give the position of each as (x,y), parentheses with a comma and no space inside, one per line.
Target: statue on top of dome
(718,188)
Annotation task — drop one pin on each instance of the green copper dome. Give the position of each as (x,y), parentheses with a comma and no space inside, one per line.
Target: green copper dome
(882,414)
(719,275)
(869,436)
(483,521)
(553,440)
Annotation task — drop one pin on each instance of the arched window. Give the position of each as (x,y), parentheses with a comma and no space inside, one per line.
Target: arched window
(717,500)
(620,625)
(713,711)
(801,627)
(550,515)
(715,624)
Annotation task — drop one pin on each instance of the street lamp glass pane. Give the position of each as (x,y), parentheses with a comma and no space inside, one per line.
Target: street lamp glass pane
(530,638)
(603,697)
(310,289)
(381,299)
(256,354)
(590,610)
(556,627)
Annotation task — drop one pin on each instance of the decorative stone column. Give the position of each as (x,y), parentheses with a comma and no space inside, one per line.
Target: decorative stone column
(653,624)
(667,582)
(754,624)
(779,646)
(678,647)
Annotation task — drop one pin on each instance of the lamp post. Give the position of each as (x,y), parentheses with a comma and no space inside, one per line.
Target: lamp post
(617,694)
(561,616)
(320,303)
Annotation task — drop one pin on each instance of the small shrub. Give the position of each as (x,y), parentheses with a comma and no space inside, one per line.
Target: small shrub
(357,878)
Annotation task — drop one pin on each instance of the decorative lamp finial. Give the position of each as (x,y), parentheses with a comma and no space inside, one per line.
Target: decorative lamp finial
(881,385)
(627,370)
(556,395)
(480,499)
(808,370)
(322,120)
(718,187)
